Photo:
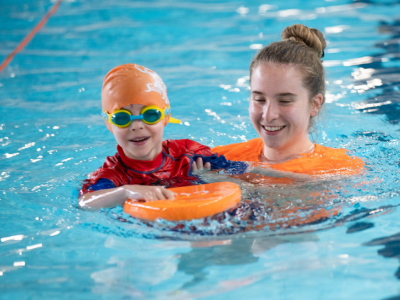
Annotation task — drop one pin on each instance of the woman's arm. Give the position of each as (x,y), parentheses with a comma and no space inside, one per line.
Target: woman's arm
(267,171)
(117,196)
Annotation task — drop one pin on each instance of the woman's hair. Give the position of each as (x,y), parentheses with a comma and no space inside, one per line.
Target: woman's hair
(302,47)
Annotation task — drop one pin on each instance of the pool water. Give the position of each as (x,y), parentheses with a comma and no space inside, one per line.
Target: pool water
(52,136)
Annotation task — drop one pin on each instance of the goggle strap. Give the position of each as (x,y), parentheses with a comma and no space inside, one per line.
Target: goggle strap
(104,115)
(174,121)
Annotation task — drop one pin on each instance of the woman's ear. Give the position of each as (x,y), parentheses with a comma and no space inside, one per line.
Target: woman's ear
(316,105)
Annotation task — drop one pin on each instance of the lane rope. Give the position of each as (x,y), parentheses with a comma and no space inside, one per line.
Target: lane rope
(27,39)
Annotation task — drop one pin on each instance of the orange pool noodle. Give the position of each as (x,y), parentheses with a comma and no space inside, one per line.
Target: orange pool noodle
(191,202)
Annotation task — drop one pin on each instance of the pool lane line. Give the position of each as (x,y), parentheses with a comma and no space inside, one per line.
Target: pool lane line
(27,39)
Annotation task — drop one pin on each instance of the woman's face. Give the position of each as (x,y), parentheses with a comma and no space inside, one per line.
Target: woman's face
(280,108)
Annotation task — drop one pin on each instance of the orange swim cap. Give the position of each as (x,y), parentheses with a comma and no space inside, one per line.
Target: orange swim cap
(132,84)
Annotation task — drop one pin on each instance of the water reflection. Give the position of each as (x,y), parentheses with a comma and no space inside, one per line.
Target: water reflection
(186,267)
(391,249)
(359,226)
(203,256)
(381,73)
(234,252)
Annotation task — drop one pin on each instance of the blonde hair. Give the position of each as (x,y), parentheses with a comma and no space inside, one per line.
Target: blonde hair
(300,46)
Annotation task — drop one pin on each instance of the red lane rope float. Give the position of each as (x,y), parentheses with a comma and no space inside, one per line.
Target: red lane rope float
(27,39)
(191,202)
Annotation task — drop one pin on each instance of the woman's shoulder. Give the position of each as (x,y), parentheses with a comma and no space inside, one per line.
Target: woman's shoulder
(336,154)
(244,151)
(324,161)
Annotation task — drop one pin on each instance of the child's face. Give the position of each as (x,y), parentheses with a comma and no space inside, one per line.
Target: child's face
(139,140)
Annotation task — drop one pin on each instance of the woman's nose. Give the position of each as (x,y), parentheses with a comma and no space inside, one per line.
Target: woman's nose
(270,112)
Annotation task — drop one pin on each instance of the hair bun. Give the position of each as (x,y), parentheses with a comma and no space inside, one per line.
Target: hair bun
(311,37)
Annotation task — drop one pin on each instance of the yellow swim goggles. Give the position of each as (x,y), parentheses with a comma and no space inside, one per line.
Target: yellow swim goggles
(149,114)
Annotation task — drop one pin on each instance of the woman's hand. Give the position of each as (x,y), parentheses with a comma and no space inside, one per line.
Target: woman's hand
(198,165)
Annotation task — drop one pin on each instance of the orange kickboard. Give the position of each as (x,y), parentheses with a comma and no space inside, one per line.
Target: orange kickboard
(191,202)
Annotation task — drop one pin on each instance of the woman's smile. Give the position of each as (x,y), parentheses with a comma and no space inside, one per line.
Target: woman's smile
(273,130)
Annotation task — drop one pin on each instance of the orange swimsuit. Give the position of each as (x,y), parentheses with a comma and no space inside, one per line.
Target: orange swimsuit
(323,161)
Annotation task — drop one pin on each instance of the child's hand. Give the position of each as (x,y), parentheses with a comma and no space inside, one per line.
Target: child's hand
(198,165)
(148,193)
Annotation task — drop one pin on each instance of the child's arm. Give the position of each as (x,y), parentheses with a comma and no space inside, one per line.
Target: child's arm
(117,196)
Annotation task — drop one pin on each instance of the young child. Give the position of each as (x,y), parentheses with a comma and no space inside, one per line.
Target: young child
(136,109)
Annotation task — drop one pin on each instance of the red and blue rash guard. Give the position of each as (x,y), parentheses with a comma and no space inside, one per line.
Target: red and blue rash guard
(171,168)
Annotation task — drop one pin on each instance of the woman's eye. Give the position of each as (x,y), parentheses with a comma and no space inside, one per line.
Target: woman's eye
(283,101)
(259,99)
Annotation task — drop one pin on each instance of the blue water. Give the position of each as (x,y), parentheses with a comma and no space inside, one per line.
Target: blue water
(52,136)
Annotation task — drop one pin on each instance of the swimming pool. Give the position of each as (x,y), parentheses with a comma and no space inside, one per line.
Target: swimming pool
(52,136)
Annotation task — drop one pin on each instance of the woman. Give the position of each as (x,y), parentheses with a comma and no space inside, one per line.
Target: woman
(287,92)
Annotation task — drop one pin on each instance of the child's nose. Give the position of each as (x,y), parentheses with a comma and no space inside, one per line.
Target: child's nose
(137,125)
